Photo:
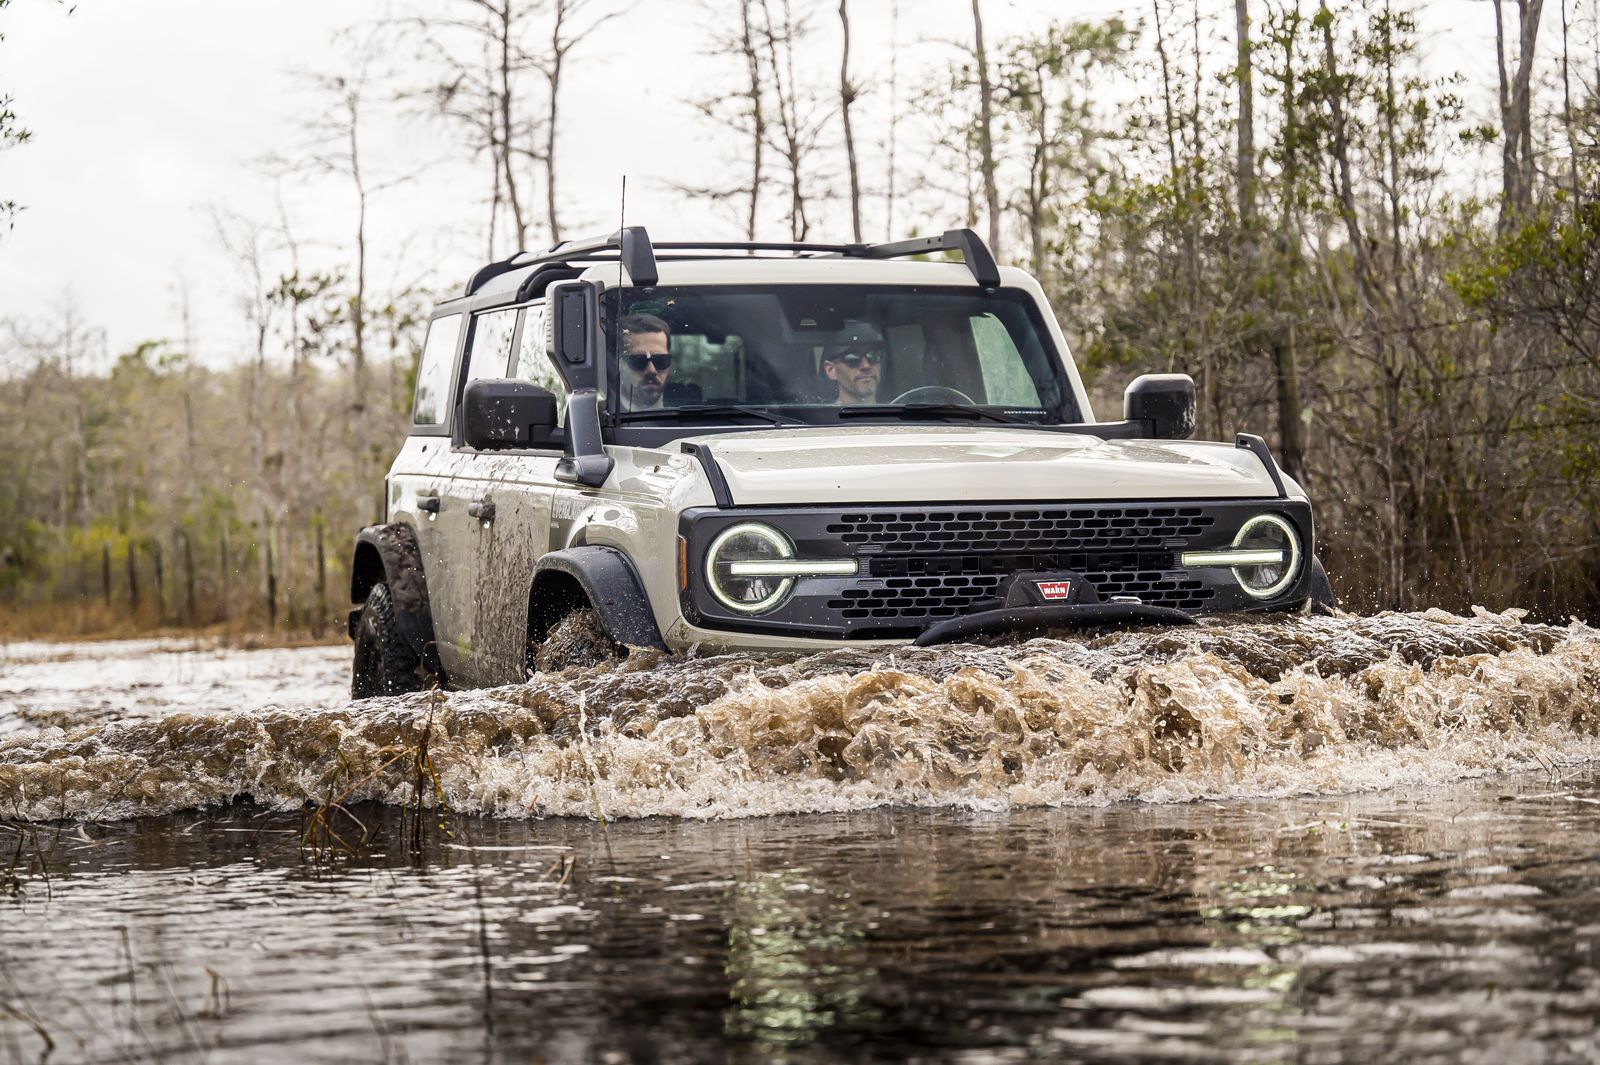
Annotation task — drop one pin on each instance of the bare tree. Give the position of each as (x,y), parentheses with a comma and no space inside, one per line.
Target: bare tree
(991,191)
(798,124)
(1517,170)
(847,96)
(564,37)
(477,55)
(743,112)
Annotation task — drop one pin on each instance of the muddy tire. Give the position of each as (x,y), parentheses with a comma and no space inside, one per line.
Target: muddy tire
(1322,600)
(384,663)
(578,639)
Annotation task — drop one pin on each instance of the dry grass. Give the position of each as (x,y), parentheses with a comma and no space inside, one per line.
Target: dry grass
(330,831)
(93,620)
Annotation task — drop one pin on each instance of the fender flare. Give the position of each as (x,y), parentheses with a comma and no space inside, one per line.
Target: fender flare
(389,553)
(611,583)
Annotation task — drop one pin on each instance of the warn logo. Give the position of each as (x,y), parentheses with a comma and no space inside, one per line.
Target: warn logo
(1054,589)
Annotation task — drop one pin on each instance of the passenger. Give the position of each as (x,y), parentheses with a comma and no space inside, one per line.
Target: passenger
(855,363)
(645,362)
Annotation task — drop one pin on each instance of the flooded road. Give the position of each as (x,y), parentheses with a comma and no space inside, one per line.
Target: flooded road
(1321,840)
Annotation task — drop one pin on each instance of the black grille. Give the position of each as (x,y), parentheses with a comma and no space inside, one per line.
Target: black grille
(937,592)
(1024,529)
(921,564)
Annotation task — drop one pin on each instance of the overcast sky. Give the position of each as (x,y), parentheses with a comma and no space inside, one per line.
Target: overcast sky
(149,115)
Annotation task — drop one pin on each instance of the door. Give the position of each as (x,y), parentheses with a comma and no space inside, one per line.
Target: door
(421,471)
(503,499)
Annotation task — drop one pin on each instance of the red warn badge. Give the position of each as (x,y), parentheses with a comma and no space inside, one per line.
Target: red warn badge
(1054,589)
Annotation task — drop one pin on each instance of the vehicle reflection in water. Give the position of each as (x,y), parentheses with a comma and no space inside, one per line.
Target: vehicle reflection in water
(793,971)
(1454,924)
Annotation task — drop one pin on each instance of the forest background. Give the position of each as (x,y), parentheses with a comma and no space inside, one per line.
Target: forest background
(1390,269)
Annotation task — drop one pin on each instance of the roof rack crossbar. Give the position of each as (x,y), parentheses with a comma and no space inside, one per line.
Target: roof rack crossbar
(631,243)
(973,251)
(633,247)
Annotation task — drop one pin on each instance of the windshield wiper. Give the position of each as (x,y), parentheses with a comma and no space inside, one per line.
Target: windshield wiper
(903,410)
(695,410)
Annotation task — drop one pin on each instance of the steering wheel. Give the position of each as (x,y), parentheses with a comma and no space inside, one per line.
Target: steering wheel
(933,394)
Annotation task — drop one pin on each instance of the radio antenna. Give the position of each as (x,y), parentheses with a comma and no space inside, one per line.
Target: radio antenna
(622,225)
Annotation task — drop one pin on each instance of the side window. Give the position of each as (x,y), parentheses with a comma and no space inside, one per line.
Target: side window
(1006,380)
(491,343)
(532,363)
(433,371)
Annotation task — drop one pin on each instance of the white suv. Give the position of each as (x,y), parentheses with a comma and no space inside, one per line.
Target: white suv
(616,444)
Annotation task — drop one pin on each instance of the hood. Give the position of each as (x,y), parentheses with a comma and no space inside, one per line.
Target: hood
(921,463)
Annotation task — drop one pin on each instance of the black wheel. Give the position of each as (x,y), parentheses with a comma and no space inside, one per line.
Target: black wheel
(578,639)
(1322,600)
(384,662)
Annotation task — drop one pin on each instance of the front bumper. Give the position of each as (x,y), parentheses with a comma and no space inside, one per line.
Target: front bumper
(923,565)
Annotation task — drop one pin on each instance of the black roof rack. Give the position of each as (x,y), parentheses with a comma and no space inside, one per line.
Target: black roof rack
(632,246)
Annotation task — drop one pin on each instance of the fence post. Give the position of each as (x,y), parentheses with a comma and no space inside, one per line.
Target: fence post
(227,578)
(190,616)
(133,578)
(321,612)
(161,581)
(272,579)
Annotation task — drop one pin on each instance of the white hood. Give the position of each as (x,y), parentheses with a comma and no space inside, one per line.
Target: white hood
(922,463)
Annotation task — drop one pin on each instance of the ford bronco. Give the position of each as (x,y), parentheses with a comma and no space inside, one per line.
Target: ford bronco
(789,446)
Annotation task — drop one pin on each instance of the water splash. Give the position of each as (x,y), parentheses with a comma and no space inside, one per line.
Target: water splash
(1257,708)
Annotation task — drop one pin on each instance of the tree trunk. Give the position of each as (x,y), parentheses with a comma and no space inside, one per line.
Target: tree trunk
(519,223)
(991,192)
(758,118)
(558,53)
(1516,150)
(847,96)
(894,114)
(1247,135)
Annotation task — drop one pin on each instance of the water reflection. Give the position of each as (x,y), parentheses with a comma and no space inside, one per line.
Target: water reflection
(1451,924)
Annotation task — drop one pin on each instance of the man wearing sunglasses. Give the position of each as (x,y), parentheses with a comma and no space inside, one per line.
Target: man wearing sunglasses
(644,361)
(855,363)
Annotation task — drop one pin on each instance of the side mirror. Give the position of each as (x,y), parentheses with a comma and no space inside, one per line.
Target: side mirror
(574,340)
(1164,403)
(498,413)
(574,346)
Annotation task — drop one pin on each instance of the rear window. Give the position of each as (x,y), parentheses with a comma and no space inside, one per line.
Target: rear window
(433,370)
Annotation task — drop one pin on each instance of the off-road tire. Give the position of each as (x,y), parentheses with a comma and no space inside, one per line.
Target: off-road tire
(578,639)
(384,663)
(1322,600)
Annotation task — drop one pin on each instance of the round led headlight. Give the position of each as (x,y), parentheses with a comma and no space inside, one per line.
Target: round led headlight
(746,547)
(1272,540)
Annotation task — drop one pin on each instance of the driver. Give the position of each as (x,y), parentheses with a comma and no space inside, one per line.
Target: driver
(855,363)
(645,362)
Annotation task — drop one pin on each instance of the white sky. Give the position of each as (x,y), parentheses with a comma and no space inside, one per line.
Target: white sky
(148,114)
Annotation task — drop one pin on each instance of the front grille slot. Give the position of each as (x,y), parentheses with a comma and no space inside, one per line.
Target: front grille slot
(1030,529)
(928,565)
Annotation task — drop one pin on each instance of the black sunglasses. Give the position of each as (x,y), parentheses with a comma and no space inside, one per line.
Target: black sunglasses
(637,363)
(855,357)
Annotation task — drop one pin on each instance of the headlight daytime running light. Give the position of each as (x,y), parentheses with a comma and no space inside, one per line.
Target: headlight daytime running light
(751,568)
(1265,556)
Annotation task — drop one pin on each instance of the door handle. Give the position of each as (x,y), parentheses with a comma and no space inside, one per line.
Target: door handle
(483,510)
(428,504)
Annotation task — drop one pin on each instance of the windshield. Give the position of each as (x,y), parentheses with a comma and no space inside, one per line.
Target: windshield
(823,352)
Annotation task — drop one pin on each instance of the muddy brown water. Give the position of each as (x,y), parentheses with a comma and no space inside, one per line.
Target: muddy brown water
(1323,839)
